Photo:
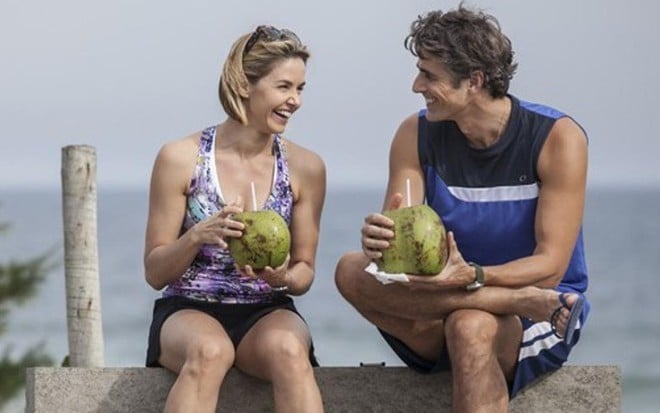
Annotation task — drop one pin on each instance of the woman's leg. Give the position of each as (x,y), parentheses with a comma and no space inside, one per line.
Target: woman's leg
(196,346)
(276,349)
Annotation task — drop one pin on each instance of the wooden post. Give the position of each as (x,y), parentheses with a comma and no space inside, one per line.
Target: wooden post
(81,268)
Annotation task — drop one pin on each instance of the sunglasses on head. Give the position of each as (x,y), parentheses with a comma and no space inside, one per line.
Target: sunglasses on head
(270,34)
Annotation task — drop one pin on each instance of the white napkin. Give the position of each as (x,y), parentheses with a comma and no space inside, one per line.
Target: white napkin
(383,277)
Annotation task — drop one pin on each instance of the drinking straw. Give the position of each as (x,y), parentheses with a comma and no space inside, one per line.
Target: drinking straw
(408,190)
(254,196)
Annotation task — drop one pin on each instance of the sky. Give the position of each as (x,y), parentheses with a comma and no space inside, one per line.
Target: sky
(126,76)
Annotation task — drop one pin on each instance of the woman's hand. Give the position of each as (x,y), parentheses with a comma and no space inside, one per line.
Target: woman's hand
(219,226)
(275,277)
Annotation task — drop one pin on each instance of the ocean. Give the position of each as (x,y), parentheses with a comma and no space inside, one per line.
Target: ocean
(622,237)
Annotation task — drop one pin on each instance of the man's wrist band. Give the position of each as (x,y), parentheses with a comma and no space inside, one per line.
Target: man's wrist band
(478,278)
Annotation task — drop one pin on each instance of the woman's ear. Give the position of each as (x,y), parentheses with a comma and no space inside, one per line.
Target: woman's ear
(244,91)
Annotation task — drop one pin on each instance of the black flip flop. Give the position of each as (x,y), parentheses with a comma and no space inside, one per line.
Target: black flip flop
(573,317)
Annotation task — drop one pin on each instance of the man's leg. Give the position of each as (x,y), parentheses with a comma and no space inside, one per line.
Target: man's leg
(483,349)
(424,337)
(482,329)
(373,299)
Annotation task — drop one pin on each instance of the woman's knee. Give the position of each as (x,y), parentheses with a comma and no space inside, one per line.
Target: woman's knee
(209,354)
(290,353)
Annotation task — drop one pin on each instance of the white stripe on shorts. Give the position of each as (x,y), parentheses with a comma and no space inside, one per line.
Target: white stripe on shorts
(535,346)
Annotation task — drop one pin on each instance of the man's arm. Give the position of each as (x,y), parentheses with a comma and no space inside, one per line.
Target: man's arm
(404,165)
(562,169)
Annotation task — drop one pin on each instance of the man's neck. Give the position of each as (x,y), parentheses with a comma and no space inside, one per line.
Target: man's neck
(484,122)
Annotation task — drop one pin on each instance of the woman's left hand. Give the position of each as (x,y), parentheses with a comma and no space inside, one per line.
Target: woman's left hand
(275,277)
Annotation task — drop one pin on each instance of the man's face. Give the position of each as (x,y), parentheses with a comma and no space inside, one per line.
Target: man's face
(443,98)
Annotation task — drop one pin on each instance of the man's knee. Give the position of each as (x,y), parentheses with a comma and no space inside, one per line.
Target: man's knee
(347,274)
(471,329)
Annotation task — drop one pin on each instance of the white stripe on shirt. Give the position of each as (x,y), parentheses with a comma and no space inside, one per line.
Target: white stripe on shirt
(497,193)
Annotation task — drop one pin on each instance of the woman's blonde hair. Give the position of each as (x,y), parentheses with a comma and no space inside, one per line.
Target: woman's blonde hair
(252,57)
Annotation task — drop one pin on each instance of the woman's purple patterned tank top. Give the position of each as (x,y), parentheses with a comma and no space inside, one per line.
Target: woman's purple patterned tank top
(212,276)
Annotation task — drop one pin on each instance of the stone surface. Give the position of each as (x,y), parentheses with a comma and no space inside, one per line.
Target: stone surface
(344,389)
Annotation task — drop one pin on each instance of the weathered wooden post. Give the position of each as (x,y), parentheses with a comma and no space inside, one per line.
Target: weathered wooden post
(81,268)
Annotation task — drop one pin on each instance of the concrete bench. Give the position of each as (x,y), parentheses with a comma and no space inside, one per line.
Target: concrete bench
(344,389)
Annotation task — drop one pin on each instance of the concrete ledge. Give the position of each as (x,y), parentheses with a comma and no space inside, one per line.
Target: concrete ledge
(344,389)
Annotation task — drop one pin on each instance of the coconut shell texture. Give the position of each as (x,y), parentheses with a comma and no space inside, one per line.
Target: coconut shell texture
(419,245)
(266,240)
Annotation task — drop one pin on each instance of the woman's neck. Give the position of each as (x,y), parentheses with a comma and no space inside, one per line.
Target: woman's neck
(244,140)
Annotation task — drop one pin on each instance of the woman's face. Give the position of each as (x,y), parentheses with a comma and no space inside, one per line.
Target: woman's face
(276,96)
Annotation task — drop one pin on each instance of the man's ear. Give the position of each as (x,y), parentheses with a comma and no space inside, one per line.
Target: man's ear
(477,79)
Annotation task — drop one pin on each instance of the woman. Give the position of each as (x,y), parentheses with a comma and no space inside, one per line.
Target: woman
(213,315)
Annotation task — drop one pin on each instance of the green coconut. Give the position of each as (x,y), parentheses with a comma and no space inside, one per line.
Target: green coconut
(265,242)
(419,245)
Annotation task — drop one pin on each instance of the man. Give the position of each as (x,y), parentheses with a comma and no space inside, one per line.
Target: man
(508,180)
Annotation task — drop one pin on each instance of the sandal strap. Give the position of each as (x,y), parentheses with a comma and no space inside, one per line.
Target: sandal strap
(562,300)
(553,320)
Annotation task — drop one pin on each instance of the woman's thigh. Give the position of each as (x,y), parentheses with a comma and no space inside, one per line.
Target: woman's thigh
(187,332)
(278,336)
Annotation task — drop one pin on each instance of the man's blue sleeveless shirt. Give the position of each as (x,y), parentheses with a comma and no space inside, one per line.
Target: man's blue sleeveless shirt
(488,197)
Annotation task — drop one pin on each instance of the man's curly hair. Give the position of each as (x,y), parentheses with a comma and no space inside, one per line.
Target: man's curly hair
(465,41)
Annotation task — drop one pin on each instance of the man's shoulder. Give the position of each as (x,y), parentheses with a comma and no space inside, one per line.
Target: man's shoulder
(540,113)
(407,128)
(536,108)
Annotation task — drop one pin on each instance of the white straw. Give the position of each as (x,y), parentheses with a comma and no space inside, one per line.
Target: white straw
(408,190)
(254,196)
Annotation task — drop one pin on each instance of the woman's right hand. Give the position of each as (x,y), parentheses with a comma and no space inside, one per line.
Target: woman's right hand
(219,226)
(378,230)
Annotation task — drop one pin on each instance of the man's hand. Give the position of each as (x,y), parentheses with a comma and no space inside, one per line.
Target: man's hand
(377,230)
(457,273)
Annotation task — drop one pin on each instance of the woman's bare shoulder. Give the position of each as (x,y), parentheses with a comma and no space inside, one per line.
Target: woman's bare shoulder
(303,158)
(180,150)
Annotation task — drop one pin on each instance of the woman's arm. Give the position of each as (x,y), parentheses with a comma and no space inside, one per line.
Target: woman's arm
(166,255)
(308,181)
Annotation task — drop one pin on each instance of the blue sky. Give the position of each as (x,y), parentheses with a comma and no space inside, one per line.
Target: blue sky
(127,76)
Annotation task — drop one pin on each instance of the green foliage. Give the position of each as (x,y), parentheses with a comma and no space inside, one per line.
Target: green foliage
(18,283)
(12,372)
